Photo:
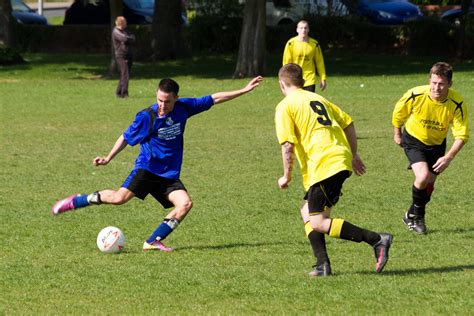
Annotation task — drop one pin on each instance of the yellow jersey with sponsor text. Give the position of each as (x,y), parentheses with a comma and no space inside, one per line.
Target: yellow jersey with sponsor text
(428,120)
(316,128)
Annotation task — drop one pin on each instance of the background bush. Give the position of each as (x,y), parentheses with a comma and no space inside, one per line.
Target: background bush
(215,34)
(9,56)
(441,42)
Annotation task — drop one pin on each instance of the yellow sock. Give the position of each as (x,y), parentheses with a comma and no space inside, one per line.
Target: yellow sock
(336,227)
(307,228)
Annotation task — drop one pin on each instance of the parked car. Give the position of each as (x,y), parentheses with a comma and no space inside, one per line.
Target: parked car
(281,12)
(25,15)
(323,7)
(386,12)
(97,12)
(454,15)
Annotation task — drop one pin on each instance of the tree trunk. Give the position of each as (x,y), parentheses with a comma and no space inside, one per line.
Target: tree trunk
(6,22)
(465,4)
(116,9)
(166,30)
(251,58)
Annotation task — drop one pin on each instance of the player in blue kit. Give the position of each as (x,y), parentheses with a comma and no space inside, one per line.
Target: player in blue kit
(159,130)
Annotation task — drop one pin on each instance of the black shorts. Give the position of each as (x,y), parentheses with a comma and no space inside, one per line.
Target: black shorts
(417,151)
(311,88)
(142,182)
(325,193)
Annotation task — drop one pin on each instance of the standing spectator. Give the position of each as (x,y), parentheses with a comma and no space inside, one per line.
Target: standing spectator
(306,52)
(323,139)
(123,54)
(426,112)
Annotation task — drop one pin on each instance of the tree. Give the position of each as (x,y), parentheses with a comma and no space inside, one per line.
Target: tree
(465,5)
(6,23)
(251,57)
(8,55)
(166,40)
(116,9)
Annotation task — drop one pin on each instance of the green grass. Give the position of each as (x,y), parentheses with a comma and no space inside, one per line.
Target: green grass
(242,249)
(56,20)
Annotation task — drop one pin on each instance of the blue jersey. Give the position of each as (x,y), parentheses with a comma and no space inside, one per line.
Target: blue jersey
(161,151)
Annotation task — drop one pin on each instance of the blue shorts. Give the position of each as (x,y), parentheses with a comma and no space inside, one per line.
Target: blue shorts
(142,182)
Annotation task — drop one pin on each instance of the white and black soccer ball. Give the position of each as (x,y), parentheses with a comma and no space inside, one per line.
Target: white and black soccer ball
(111,240)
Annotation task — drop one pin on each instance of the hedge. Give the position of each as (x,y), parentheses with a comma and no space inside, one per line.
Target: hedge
(215,35)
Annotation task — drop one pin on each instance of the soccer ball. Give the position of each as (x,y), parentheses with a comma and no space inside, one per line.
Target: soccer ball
(111,240)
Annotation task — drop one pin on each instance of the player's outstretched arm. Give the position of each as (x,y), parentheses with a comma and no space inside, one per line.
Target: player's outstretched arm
(119,145)
(220,97)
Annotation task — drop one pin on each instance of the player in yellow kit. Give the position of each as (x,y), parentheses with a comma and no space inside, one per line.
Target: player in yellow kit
(426,112)
(306,52)
(323,138)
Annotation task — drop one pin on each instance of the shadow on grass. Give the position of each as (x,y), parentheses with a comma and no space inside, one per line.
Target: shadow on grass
(97,66)
(450,231)
(235,245)
(222,66)
(401,272)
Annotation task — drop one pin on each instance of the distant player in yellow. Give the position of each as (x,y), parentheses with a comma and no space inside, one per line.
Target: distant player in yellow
(426,112)
(324,140)
(306,52)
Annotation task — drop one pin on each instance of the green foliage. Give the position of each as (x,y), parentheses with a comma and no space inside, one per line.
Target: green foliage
(242,249)
(443,41)
(10,56)
(340,32)
(436,2)
(213,34)
(214,26)
(218,8)
(470,26)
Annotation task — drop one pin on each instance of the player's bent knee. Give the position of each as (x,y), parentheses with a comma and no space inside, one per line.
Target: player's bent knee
(317,226)
(422,182)
(187,205)
(182,210)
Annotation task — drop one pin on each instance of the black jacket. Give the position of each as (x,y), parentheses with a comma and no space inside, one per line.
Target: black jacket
(122,40)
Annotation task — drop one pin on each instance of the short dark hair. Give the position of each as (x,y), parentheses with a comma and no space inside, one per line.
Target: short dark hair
(169,86)
(291,74)
(304,22)
(442,69)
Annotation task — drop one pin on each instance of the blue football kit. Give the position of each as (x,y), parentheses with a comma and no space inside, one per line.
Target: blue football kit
(161,147)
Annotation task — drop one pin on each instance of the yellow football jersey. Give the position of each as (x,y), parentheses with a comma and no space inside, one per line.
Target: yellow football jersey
(428,120)
(316,128)
(308,55)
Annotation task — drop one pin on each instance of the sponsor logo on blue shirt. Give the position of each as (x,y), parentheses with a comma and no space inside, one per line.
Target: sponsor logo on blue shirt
(169,133)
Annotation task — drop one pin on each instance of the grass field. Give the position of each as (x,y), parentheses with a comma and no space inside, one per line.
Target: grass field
(56,20)
(242,249)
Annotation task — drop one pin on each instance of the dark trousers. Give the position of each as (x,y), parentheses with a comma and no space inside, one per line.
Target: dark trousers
(124,65)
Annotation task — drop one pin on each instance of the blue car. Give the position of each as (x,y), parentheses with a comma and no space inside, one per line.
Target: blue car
(454,15)
(387,12)
(25,15)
